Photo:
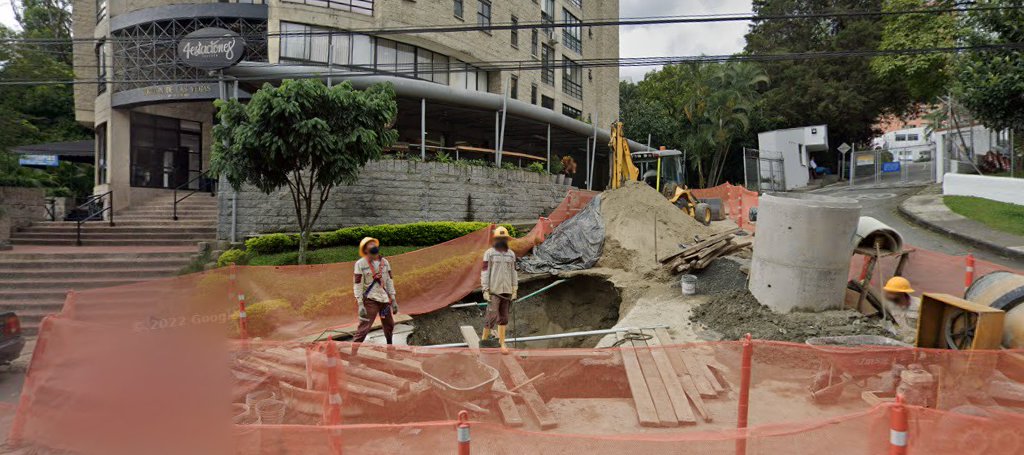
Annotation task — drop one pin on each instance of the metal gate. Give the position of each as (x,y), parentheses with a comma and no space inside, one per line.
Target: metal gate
(763,172)
(892,166)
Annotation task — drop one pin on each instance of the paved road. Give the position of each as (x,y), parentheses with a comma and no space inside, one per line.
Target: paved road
(882,202)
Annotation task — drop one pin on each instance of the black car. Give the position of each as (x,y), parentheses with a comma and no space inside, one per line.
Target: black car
(11,341)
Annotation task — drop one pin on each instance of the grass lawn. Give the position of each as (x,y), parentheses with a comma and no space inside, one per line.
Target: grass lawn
(325,255)
(996,215)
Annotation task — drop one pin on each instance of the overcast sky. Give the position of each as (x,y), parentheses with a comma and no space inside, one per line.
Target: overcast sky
(679,39)
(649,40)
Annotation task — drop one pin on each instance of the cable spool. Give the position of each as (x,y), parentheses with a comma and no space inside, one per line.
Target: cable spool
(1002,291)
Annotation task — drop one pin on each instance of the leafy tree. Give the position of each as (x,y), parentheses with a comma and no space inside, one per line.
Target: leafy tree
(703,109)
(642,117)
(843,93)
(992,81)
(925,75)
(305,136)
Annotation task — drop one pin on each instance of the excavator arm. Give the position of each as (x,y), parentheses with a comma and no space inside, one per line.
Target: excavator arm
(623,169)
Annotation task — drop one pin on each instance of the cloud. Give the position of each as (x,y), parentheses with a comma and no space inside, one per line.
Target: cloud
(669,40)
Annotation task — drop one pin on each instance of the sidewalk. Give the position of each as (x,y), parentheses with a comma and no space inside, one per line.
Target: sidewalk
(928,210)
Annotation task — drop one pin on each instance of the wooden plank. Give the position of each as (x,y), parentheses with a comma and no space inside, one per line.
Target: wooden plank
(509,411)
(696,370)
(372,355)
(659,394)
(642,401)
(662,338)
(504,153)
(701,245)
(676,393)
(540,410)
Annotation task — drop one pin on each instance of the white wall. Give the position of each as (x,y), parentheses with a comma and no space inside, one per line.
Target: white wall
(787,145)
(1002,189)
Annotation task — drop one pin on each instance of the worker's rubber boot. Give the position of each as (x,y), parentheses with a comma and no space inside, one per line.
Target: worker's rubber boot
(501,338)
(486,335)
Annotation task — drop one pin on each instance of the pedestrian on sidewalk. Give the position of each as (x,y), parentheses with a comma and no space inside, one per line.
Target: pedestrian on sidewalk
(500,283)
(374,290)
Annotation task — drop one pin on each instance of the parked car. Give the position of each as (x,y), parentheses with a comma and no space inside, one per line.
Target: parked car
(11,341)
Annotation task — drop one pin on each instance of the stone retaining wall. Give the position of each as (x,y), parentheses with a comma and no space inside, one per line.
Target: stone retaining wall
(394,191)
(19,207)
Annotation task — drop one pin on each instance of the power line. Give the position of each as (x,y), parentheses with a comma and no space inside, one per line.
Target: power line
(607,22)
(342,71)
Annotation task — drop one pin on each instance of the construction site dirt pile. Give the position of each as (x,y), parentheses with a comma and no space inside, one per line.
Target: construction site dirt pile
(735,313)
(632,214)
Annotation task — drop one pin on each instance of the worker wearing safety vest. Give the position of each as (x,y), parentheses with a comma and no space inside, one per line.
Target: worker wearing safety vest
(904,307)
(500,283)
(374,290)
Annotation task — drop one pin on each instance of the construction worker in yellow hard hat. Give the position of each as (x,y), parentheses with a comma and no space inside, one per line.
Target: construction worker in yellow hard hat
(500,283)
(374,290)
(904,308)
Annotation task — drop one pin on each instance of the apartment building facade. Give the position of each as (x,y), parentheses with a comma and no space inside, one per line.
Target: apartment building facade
(465,91)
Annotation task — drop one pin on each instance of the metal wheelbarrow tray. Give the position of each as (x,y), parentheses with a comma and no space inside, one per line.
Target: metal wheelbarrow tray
(863,355)
(459,377)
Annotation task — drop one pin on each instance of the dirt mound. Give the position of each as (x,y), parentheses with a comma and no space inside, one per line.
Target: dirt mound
(735,313)
(629,215)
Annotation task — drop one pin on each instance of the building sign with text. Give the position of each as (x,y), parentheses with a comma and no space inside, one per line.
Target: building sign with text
(211,48)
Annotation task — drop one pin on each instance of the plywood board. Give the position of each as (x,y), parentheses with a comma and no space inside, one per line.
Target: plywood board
(697,372)
(645,411)
(509,412)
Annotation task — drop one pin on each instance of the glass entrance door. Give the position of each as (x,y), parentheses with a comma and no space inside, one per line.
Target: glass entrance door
(165,152)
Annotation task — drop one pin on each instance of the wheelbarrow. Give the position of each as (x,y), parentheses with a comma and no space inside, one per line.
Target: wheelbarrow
(460,379)
(853,358)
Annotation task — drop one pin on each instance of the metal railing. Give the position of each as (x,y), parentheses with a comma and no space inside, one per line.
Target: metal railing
(90,205)
(206,184)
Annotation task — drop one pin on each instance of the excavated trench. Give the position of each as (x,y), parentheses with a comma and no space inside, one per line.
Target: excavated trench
(580,304)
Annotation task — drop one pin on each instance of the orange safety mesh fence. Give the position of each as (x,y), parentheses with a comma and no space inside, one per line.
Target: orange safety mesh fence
(296,301)
(928,271)
(736,202)
(96,389)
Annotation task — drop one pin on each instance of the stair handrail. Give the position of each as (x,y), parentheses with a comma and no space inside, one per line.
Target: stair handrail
(212,190)
(90,201)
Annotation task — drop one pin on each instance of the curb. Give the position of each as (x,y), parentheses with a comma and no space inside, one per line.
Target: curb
(992,247)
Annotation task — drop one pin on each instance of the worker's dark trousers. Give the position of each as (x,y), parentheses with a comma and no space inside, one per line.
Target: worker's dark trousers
(497,310)
(373,309)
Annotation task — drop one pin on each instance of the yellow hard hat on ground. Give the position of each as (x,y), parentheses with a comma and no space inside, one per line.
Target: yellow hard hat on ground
(500,232)
(364,242)
(898,284)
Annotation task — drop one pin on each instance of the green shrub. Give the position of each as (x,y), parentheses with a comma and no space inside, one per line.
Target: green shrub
(556,165)
(327,303)
(262,318)
(478,162)
(443,157)
(412,234)
(509,166)
(537,167)
(236,256)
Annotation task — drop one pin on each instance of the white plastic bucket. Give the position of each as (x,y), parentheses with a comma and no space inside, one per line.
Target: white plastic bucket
(688,284)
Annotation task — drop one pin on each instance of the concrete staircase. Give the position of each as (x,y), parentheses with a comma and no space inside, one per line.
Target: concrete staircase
(144,244)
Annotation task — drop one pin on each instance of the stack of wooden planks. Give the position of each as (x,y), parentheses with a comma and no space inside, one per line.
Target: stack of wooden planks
(700,254)
(668,384)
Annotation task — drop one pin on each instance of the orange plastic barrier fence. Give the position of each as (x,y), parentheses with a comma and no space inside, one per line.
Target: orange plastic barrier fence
(295,301)
(928,271)
(736,202)
(94,389)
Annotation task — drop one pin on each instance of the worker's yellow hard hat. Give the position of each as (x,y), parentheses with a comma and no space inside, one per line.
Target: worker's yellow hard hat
(500,233)
(898,284)
(364,242)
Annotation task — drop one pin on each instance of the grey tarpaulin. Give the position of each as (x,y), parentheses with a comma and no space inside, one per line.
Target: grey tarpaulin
(574,245)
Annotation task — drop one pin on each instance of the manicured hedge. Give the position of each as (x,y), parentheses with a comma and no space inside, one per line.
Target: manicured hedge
(413,234)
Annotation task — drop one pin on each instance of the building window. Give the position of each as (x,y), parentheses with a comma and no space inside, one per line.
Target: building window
(483,15)
(513,87)
(912,137)
(101,10)
(534,43)
(547,102)
(533,94)
(578,3)
(352,6)
(547,16)
(101,68)
(547,57)
(458,9)
(101,154)
(572,78)
(571,112)
(572,33)
(515,32)
(901,137)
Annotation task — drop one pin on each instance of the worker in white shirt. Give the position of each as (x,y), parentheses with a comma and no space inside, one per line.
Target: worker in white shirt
(500,283)
(374,290)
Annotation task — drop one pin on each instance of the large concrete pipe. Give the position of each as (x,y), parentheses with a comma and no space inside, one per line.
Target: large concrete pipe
(1004,291)
(802,251)
(871,232)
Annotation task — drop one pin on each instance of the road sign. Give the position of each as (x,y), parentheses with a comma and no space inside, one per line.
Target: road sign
(38,160)
(891,167)
(844,147)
